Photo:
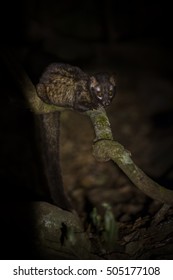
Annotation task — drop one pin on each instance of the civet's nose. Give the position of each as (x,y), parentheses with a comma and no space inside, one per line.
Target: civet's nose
(106,103)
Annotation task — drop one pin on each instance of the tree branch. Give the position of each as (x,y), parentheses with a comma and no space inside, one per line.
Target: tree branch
(105,148)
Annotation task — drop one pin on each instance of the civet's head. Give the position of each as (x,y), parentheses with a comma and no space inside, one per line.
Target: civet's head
(103,88)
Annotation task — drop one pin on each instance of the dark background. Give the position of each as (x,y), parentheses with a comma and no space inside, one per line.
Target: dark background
(130,38)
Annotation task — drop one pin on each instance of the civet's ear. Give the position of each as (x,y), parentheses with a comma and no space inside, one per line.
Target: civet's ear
(113,80)
(93,82)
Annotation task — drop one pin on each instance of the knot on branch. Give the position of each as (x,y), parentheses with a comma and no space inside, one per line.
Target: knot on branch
(101,150)
(104,150)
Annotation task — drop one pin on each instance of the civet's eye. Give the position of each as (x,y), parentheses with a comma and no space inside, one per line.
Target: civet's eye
(111,87)
(98,92)
(111,90)
(98,89)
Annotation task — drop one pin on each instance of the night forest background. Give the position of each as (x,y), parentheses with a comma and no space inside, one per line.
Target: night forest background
(132,39)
